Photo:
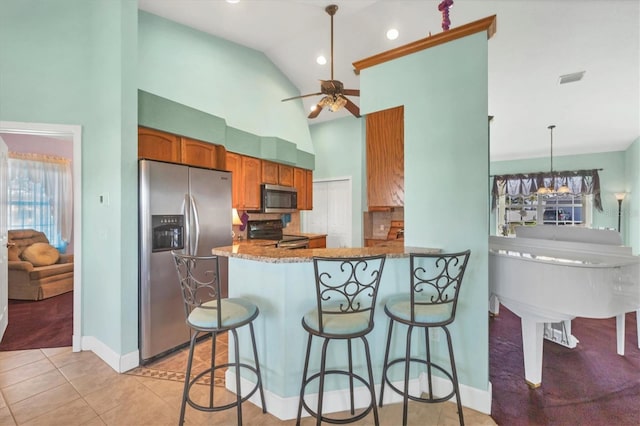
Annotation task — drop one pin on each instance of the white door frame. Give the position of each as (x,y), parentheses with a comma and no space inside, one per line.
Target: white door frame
(349,181)
(75,133)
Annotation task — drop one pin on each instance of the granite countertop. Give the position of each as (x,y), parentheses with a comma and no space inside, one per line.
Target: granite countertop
(278,255)
(309,236)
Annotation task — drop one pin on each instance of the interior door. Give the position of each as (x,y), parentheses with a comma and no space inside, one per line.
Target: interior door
(332,212)
(4,291)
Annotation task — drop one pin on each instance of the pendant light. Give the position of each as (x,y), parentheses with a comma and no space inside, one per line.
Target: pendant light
(564,189)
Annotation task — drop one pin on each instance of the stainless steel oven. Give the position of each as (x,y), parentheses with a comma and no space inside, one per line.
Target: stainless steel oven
(272,230)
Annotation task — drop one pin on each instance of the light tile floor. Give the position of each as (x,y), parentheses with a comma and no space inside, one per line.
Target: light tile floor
(59,387)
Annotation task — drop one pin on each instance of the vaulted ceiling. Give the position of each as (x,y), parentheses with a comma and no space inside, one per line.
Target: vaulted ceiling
(536,42)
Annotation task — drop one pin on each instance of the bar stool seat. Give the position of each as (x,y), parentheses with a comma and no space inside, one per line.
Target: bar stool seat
(346,291)
(430,303)
(207,313)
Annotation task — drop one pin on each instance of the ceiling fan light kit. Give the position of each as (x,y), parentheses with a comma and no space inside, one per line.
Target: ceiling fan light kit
(334,91)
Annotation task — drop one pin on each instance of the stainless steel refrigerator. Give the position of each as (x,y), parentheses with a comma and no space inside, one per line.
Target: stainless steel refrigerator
(184,208)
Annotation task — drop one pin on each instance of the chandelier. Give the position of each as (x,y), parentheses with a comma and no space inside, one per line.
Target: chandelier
(543,190)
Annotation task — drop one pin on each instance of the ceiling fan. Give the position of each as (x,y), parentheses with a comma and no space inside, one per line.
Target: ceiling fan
(333,90)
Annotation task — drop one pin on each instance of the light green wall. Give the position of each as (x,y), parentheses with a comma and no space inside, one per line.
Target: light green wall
(612,180)
(340,152)
(73,62)
(221,78)
(444,92)
(631,203)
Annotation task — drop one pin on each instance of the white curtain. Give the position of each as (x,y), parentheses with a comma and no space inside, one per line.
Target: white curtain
(41,196)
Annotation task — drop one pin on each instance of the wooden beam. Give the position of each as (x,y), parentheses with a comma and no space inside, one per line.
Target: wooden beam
(486,24)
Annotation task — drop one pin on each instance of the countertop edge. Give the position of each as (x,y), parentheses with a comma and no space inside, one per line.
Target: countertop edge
(275,255)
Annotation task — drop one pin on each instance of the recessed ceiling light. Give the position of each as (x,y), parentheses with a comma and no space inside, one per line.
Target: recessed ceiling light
(321,60)
(392,34)
(570,78)
(233,1)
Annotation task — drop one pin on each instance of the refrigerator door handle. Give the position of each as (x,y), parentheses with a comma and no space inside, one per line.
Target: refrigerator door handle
(196,219)
(186,210)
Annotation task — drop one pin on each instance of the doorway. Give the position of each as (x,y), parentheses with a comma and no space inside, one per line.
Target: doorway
(332,212)
(71,134)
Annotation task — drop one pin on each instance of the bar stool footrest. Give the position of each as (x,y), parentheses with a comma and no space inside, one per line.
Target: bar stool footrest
(355,418)
(214,408)
(430,399)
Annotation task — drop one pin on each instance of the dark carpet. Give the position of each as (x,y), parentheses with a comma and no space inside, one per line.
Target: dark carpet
(39,324)
(588,385)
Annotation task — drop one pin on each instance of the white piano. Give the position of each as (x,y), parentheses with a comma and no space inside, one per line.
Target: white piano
(548,275)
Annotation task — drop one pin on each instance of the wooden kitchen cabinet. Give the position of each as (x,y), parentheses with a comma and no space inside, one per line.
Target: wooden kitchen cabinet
(245,181)
(269,172)
(303,182)
(318,242)
(385,158)
(251,176)
(157,145)
(285,175)
(202,154)
(163,146)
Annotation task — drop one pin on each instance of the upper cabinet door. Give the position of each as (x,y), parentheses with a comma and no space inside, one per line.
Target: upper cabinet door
(285,175)
(269,172)
(252,174)
(196,153)
(234,165)
(303,182)
(385,158)
(157,145)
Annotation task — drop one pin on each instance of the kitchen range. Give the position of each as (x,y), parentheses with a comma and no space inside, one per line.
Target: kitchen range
(273,230)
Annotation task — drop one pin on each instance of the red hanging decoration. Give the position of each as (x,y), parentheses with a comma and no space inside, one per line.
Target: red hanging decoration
(444,7)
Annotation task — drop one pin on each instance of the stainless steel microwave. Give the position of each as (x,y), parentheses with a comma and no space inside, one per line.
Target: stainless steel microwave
(279,199)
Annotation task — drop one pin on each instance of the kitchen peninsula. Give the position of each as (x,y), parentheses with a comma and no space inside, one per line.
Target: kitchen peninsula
(281,283)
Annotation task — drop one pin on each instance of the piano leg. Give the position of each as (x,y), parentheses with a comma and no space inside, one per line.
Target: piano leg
(638,326)
(494,306)
(532,333)
(620,319)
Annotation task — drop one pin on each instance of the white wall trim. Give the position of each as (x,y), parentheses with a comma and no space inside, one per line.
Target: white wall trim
(120,363)
(338,400)
(75,133)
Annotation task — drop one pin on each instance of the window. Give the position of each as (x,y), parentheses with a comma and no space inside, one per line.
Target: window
(535,209)
(517,199)
(40,196)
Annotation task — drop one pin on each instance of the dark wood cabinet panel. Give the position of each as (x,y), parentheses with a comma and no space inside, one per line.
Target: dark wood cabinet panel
(385,158)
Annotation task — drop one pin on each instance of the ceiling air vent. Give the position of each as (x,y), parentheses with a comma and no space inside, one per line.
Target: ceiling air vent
(570,78)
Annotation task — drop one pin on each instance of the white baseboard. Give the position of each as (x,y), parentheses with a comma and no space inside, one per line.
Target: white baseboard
(338,400)
(119,363)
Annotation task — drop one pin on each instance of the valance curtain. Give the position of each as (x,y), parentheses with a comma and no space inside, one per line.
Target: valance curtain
(585,182)
(41,196)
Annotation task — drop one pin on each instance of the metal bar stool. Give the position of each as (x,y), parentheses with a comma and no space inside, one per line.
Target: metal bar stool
(207,312)
(431,302)
(346,291)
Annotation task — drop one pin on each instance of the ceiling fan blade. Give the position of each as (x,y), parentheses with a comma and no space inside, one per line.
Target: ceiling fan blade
(316,111)
(352,108)
(351,92)
(302,96)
